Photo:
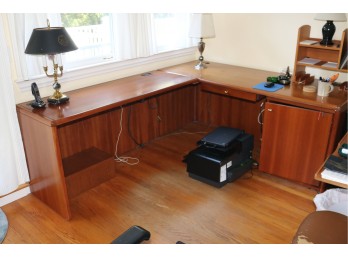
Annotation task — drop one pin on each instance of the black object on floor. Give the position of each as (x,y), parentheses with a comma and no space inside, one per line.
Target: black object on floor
(220,165)
(133,235)
(221,138)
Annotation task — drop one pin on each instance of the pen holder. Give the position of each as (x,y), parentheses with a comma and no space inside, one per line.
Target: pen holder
(324,88)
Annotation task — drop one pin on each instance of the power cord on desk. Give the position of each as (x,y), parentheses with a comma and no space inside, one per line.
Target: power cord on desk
(125,159)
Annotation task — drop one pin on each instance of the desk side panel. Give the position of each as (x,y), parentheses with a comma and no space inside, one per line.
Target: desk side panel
(44,163)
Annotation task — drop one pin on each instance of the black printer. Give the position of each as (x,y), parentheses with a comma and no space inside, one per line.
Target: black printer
(221,157)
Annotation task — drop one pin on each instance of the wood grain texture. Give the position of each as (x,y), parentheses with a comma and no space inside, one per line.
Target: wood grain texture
(223,110)
(143,120)
(44,163)
(244,79)
(228,91)
(158,195)
(101,97)
(152,106)
(294,142)
(86,170)
(332,53)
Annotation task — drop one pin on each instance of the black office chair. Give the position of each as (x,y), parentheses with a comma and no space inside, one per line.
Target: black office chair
(133,235)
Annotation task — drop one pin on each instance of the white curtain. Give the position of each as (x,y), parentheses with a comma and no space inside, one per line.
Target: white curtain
(21,26)
(133,35)
(13,168)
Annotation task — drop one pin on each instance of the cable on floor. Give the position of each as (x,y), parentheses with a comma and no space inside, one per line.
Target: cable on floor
(125,159)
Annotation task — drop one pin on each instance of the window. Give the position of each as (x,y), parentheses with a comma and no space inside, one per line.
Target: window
(103,37)
(171,31)
(106,42)
(91,32)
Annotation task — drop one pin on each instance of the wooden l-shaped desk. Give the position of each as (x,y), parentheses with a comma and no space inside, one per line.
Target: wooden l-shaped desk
(70,148)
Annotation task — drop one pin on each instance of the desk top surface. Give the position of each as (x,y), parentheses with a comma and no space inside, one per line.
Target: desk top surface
(105,96)
(246,78)
(90,100)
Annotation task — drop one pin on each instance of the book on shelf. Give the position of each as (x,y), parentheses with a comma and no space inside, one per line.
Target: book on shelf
(308,60)
(309,42)
(330,64)
(336,164)
(335,176)
(344,61)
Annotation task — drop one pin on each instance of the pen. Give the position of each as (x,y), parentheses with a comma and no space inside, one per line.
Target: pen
(334,77)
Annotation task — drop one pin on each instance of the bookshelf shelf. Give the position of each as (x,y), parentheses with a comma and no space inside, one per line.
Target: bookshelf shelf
(327,56)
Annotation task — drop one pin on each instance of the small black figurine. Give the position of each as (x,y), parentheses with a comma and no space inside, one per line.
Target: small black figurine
(37,103)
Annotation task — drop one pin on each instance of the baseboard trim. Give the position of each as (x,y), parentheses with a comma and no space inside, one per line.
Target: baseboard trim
(14,196)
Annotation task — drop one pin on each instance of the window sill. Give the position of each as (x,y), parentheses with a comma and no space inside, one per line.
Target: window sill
(105,68)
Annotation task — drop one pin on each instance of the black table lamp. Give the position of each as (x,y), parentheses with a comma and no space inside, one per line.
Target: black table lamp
(329,27)
(50,42)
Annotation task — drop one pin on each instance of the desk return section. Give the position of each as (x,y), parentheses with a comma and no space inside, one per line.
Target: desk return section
(70,148)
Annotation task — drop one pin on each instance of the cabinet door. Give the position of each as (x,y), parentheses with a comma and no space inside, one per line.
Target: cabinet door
(294,142)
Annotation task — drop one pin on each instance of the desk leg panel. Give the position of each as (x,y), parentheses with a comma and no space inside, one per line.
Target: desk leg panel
(44,162)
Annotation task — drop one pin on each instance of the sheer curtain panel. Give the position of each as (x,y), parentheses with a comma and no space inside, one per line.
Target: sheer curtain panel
(13,168)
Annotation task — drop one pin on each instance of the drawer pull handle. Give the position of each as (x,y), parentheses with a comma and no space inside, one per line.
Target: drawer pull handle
(269,110)
(226,91)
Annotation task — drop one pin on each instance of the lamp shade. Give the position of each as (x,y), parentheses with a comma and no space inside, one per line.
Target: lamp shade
(50,41)
(330,17)
(202,25)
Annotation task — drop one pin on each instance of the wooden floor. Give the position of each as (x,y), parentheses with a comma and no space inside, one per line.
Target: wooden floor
(158,195)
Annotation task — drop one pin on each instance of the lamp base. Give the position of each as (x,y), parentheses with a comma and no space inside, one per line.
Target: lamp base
(57,101)
(328,31)
(200,66)
(326,42)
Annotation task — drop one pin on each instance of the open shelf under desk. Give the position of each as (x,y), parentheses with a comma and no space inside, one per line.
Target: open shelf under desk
(87,169)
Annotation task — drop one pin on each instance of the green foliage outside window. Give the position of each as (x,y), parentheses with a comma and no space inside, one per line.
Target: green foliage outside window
(81,19)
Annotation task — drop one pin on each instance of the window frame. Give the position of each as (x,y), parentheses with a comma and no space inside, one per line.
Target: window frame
(89,70)
(107,68)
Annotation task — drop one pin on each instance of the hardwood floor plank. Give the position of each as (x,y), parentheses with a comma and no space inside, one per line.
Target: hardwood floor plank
(158,195)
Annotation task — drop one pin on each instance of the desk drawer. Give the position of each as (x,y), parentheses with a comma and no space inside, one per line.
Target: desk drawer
(230,92)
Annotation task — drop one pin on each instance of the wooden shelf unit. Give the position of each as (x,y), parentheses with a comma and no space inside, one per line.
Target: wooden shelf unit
(325,54)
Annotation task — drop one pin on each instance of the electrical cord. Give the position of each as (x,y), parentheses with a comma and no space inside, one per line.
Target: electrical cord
(125,159)
(259,117)
(254,166)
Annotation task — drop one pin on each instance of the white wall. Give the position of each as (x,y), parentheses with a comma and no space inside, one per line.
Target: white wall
(262,41)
